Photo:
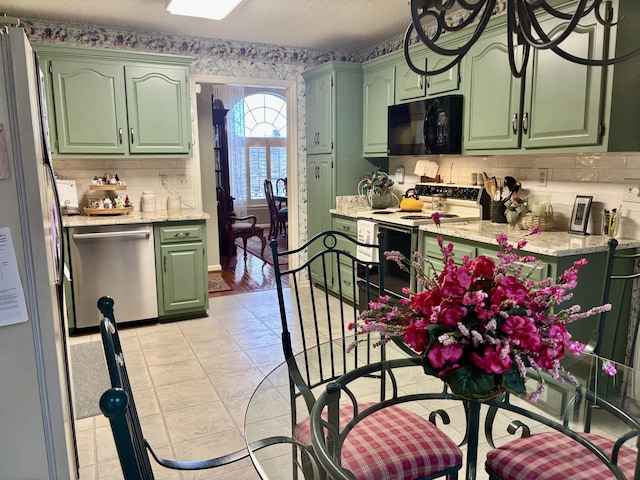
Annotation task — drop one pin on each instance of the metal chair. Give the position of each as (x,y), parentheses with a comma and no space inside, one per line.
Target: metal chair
(322,299)
(237,227)
(118,405)
(278,216)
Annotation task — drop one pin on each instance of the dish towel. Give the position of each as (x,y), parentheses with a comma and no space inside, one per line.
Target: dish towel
(367,233)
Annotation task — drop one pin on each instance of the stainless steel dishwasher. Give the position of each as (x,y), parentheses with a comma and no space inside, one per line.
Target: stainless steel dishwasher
(114,260)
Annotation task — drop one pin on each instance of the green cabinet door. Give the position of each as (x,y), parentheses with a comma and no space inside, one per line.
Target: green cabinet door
(492,97)
(89,107)
(182,274)
(181,270)
(378,94)
(410,86)
(157,126)
(319,197)
(446,82)
(319,114)
(562,104)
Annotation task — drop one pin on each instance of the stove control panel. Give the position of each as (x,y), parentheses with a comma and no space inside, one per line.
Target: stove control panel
(449,191)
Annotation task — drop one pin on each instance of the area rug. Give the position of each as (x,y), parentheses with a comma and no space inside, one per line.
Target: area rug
(217,283)
(89,378)
(254,245)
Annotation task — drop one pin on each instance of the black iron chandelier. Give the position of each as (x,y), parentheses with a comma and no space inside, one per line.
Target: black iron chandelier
(523,28)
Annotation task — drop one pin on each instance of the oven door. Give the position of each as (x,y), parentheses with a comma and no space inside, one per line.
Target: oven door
(405,241)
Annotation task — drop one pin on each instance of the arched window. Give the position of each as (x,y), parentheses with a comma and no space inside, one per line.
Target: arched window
(262,121)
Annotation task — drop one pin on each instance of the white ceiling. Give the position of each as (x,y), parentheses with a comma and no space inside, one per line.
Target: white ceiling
(340,25)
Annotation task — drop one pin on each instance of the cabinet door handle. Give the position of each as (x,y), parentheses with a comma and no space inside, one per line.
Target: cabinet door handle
(165,264)
(525,123)
(346,283)
(120,135)
(132,136)
(428,82)
(421,82)
(181,234)
(347,228)
(514,123)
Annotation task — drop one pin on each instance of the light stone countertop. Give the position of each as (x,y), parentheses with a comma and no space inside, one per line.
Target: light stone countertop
(552,243)
(132,218)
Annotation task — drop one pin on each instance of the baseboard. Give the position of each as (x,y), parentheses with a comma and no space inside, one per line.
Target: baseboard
(214,268)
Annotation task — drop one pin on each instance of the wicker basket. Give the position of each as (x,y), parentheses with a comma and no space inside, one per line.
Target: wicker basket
(532,220)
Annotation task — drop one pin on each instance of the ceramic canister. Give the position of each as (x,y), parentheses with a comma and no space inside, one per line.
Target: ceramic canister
(174,203)
(148,201)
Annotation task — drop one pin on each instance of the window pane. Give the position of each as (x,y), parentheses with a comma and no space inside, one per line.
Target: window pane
(278,162)
(257,171)
(265,115)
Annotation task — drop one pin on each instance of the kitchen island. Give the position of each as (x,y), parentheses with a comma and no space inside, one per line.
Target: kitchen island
(162,252)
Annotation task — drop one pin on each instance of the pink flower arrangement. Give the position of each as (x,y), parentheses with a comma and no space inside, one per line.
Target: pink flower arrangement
(481,323)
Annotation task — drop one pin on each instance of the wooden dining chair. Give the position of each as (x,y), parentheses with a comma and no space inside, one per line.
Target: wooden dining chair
(319,298)
(118,405)
(278,216)
(234,226)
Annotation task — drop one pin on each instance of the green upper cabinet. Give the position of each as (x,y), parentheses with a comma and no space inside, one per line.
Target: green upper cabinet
(558,105)
(319,119)
(410,86)
(492,97)
(89,107)
(562,103)
(157,127)
(109,103)
(377,94)
(446,82)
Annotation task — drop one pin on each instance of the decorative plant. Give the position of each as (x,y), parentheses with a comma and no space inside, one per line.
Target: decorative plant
(480,324)
(377,181)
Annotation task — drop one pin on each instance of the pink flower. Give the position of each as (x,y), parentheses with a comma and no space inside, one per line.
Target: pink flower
(440,355)
(609,368)
(523,332)
(492,361)
(435,216)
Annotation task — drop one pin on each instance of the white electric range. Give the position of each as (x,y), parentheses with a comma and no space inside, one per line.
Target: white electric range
(454,203)
(461,203)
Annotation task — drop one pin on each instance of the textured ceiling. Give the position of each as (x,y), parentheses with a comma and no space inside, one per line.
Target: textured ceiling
(340,25)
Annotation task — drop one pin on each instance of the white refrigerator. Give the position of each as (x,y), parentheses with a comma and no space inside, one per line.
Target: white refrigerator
(37,437)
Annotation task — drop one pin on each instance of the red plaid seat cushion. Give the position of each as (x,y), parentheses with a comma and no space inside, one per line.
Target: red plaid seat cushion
(554,456)
(393,443)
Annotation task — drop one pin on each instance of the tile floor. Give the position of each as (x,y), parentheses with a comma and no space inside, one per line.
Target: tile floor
(193,380)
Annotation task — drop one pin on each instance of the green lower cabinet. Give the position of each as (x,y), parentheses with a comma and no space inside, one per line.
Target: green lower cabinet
(587,294)
(181,271)
(344,278)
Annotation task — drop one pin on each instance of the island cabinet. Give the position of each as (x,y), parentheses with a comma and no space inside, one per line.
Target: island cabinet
(345,278)
(587,294)
(109,103)
(334,146)
(181,270)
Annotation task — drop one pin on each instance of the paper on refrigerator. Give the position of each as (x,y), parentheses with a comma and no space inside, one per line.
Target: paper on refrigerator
(13,308)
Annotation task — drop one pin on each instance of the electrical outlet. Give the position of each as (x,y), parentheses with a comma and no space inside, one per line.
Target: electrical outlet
(184,181)
(543,173)
(163,180)
(631,192)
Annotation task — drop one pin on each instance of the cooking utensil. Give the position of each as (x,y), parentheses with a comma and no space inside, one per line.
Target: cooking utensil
(410,201)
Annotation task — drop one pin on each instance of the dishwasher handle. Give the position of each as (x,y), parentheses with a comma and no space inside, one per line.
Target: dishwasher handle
(117,234)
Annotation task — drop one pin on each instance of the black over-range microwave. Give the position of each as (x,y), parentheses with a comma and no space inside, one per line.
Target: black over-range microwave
(426,127)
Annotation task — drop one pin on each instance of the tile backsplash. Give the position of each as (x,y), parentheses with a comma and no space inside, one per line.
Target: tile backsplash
(599,175)
(138,175)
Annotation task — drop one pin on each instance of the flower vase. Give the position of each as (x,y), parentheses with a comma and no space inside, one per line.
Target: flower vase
(377,200)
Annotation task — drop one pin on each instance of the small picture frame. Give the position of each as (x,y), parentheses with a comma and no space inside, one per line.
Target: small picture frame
(580,214)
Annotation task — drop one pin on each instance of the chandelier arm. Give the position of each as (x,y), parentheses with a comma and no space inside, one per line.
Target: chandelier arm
(605,21)
(526,11)
(428,73)
(590,62)
(447,52)
(512,29)
(566,16)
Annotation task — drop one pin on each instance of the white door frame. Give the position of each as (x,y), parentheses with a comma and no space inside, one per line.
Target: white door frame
(292,136)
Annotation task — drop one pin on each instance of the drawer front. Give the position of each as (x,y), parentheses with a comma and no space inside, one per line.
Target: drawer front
(181,233)
(345,225)
(345,245)
(349,288)
(540,272)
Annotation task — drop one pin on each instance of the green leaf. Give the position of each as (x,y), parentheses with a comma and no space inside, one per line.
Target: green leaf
(513,381)
(469,380)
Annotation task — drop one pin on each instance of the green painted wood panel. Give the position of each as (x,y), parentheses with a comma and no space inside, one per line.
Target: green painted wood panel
(378,94)
(90,110)
(409,85)
(320,198)
(158,110)
(444,83)
(319,114)
(183,283)
(492,97)
(563,99)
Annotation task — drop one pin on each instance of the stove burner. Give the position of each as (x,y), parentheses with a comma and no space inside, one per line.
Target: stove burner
(415,217)
(448,215)
(382,212)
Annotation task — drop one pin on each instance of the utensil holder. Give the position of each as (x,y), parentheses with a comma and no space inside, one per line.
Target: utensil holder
(497,212)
